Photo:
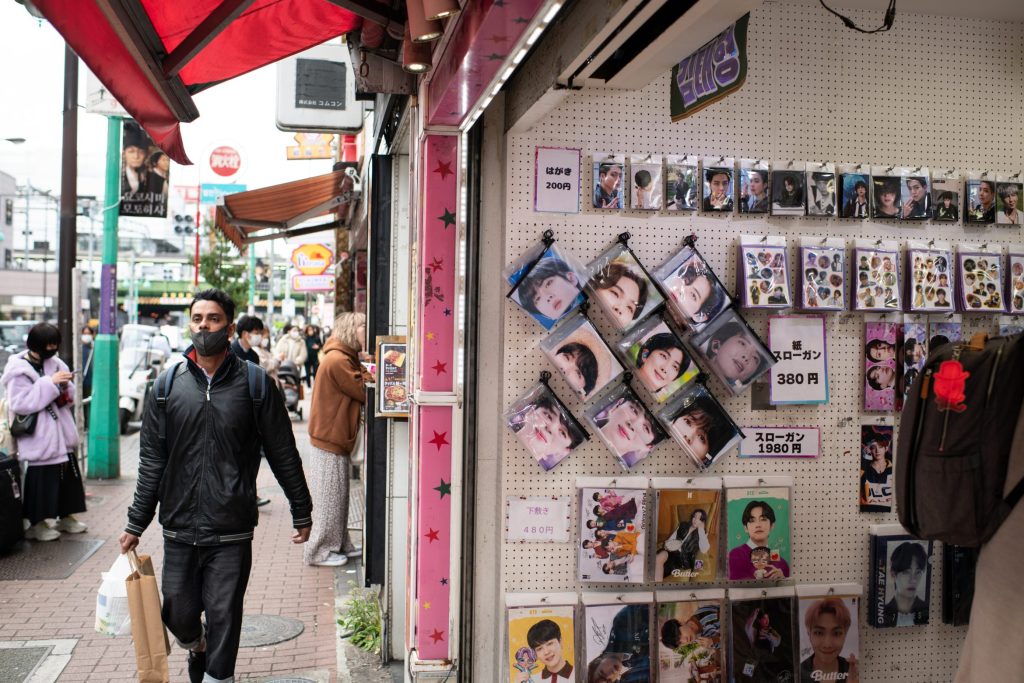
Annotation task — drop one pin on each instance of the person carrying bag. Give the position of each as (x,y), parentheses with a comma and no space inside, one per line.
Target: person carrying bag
(152,647)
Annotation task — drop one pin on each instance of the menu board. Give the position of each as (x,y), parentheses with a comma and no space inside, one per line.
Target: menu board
(392,377)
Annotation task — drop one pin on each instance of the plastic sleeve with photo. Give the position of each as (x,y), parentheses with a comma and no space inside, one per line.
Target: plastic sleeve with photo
(613,541)
(758,533)
(691,641)
(821,190)
(549,287)
(626,427)
(981,282)
(733,352)
(618,642)
(552,626)
(765,276)
(881,341)
(761,639)
(718,179)
(609,172)
(829,636)
(875,283)
(1015,282)
(788,190)
(822,272)
(699,423)
(691,287)
(621,287)
(544,427)
(887,197)
(658,358)
(686,534)
(931,280)
(645,183)
(854,195)
(580,354)
(682,184)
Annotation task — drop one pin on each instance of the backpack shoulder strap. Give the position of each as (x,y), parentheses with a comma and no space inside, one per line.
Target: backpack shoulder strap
(258,390)
(163,389)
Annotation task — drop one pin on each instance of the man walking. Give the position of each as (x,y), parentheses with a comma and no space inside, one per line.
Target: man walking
(198,458)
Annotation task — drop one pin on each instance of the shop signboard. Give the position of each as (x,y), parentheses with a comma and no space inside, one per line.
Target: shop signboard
(312,283)
(780,442)
(212,192)
(557,176)
(717,69)
(392,377)
(800,374)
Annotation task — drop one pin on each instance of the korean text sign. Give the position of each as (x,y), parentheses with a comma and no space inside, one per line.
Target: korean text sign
(718,68)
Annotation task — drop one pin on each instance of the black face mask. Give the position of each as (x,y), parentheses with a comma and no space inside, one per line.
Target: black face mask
(46,353)
(211,343)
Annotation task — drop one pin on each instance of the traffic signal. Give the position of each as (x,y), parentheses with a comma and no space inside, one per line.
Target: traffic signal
(8,212)
(184,224)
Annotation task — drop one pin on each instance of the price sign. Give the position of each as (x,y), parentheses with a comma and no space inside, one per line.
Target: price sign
(780,442)
(800,374)
(557,177)
(537,518)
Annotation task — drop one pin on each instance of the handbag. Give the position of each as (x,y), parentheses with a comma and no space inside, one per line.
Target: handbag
(148,633)
(25,425)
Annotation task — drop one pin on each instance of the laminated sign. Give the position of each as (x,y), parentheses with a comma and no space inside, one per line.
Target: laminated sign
(800,374)
(718,68)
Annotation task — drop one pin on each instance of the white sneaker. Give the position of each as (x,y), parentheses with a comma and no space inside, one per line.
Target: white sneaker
(357,551)
(42,531)
(333,560)
(70,525)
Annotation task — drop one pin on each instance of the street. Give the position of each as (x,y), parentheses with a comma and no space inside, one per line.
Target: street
(47,626)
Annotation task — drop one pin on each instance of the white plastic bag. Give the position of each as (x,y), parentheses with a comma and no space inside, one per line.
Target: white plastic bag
(112,617)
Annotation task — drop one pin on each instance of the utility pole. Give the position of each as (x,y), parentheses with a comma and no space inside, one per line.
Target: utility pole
(66,306)
(252,280)
(104,427)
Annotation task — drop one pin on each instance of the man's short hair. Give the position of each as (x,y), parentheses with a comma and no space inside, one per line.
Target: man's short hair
(766,510)
(543,631)
(249,323)
(905,555)
(218,296)
(921,179)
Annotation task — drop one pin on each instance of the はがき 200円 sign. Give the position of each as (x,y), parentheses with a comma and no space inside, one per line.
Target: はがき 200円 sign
(557,174)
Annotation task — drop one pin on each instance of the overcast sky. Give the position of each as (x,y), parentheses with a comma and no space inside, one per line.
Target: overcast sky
(240,112)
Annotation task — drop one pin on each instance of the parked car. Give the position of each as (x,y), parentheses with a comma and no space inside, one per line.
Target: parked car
(13,334)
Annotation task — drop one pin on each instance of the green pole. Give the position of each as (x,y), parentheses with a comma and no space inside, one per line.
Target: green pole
(252,279)
(104,427)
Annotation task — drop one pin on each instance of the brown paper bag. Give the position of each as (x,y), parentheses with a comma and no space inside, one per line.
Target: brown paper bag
(148,632)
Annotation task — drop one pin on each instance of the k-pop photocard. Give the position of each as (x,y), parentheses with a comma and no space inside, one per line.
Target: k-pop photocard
(544,426)
(755,188)
(686,525)
(917,202)
(682,184)
(577,350)
(759,535)
(765,281)
(932,281)
(612,535)
(700,425)
(733,352)
(658,358)
(690,644)
(876,277)
(718,185)
(876,449)
(621,287)
(880,371)
(947,330)
(692,288)
(625,425)
(913,352)
(979,200)
(900,588)
(854,194)
(946,199)
(788,189)
(645,183)
(1015,279)
(547,283)
(618,641)
(887,196)
(959,567)
(609,171)
(1008,196)
(981,278)
(829,634)
(823,275)
(761,637)
(541,643)
(821,190)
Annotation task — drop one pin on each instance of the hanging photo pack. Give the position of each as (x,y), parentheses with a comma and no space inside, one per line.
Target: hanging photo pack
(687,519)
(823,274)
(828,621)
(788,189)
(699,423)
(690,627)
(886,193)
(609,172)
(544,426)
(980,269)
(762,625)
(617,632)
(765,282)
(730,349)
(547,282)
(578,352)
(612,527)
(682,183)
(881,340)
(980,199)
(875,270)
(624,424)
(645,183)
(621,286)
(754,186)
(931,280)
(917,202)
(854,191)
(821,189)
(718,184)
(541,636)
(946,198)
(657,357)
(758,526)
(691,287)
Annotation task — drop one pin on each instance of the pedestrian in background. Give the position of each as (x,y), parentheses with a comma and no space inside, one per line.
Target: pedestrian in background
(291,346)
(313,344)
(334,431)
(37,382)
(250,336)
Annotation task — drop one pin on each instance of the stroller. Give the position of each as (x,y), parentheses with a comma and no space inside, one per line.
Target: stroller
(291,387)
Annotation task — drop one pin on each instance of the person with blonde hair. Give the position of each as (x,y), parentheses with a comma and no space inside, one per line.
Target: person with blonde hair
(334,418)
(828,623)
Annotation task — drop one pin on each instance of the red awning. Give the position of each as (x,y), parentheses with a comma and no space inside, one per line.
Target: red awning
(129,45)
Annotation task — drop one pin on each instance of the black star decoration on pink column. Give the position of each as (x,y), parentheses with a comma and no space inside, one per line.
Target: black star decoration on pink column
(444,488)
(448,217)
(444,168)
(444,582)
(494,56)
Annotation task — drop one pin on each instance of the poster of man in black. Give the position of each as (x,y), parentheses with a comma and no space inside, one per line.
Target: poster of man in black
(145,174)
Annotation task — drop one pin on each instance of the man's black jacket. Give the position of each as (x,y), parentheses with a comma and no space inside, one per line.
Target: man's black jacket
(204,477)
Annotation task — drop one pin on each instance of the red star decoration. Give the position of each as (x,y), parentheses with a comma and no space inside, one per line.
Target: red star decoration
(438,636)
(444,168)
(432,535)
(440,367)
(439,440)
(437,265)
(498,39)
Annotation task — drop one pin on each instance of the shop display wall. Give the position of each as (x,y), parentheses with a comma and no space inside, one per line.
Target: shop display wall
(939,92)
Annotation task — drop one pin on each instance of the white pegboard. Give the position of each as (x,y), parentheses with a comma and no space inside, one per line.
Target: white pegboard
(935,91)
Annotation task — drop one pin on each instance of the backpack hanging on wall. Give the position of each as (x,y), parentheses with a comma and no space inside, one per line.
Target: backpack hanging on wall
(955,441)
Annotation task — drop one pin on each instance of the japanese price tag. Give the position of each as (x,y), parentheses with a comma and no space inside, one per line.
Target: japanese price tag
(557,176)
(800,374)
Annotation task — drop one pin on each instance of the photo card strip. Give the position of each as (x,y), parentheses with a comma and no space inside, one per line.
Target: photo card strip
(980,198)
(733,352)
(755,186)
(944,329)
(854,191)
(547,282)
(645,182)
(900,579)
(789,188)
(688,517)
(917,201)
(691,288)
(875,272)
(913,353)
(620,285)
(1015,281)
(613,540)
(881,341)
(580,354)
(656,356)
(877,446)
(981,278)
(609,173)
(544,426)
(886,193)
(821,189)
(699,423)
(946,190)
(719,175)
(763,263)
(617,632)
(931,279)
(692,641)
(541,632)
(823,274)
(762,626)
(758,527)
(682,183)
(626,427)
(828,623)
(1008,197)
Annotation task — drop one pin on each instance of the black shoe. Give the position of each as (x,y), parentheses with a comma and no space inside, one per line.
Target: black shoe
(196,666)
(260,501)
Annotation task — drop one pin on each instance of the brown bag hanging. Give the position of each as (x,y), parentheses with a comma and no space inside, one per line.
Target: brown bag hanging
(148,633)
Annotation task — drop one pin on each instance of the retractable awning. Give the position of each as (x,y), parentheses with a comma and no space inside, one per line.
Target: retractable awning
(153,55)
(280,210)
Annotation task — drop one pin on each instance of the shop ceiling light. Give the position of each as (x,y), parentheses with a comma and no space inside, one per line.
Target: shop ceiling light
(440,9)
(420,28)
(415,56)
(552,12)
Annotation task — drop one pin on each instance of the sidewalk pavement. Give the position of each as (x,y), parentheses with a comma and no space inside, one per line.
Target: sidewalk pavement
(280,584)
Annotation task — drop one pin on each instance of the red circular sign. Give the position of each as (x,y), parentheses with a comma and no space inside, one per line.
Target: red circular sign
(225,161)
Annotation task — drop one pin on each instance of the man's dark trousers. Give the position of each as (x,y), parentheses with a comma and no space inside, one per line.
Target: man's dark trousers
(211,579)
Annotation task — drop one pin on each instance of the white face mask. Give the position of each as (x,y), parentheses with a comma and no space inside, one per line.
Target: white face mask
(264,342)
(294,334)
(255,339)
(87,339)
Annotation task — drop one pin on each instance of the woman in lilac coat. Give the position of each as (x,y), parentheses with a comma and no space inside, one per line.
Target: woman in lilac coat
(37,381)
